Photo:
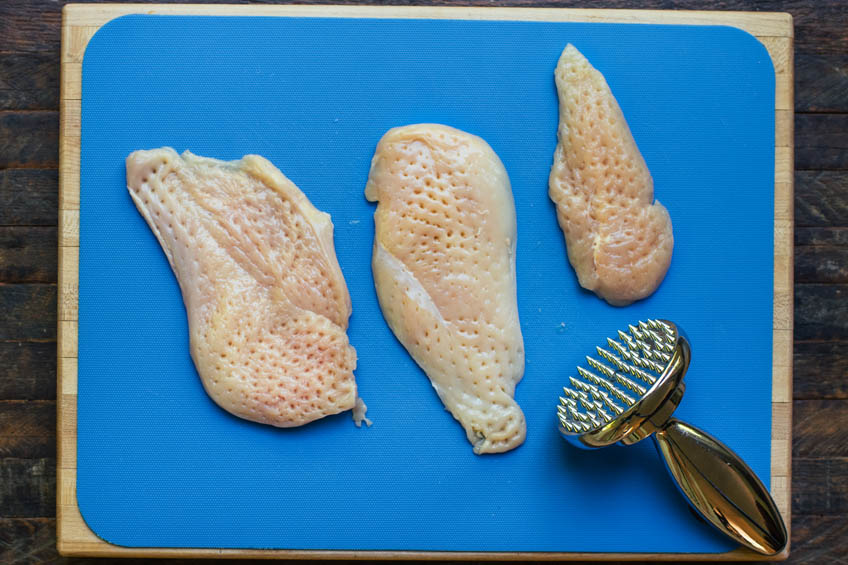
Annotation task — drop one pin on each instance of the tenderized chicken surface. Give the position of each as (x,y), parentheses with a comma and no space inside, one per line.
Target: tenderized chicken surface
(266,301)
(444,268)
(619,240)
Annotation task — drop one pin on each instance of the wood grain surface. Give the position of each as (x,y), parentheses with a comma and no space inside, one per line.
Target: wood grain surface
(30,32)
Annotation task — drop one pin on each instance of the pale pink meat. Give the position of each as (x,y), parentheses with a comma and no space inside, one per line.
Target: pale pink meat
(444,268)
(266,301)
(619,239)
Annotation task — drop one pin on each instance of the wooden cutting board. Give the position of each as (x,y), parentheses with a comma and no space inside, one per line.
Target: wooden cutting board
(81,22)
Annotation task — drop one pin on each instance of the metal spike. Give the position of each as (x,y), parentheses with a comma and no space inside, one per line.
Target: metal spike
(635,359)
(609,373)
(667,348)
(635,332)
(600,395)
(641,374)
(632,385)
(582,389)
(645,348)
(628,340)
(567,412)
(644,363)
(653,324)
(609,356)
(643,325)
(576,416)
(567,402)
(655,337)
(582,398)
(617,346)
(599,410)
(637,369)
(662,342)
(668,330)
(600,381)
(652,365)
(598,366)
(616,409)
(651,353)
(568,426)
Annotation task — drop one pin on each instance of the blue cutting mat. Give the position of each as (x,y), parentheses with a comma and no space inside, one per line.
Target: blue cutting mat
(160,465)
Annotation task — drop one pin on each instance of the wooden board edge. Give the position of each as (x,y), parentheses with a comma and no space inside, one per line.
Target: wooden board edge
(68,251)
(74,538)
(87,18)
(783,314)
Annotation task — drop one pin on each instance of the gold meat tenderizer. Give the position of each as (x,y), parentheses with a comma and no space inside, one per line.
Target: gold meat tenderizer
(629,392)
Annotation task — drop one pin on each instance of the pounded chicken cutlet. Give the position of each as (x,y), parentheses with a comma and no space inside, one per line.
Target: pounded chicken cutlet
(619,240)
(444,269)
(266,301)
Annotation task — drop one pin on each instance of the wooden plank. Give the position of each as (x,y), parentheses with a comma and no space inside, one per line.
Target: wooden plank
(821,141)
(30,25)
(821,81)
(782,366)
(27,429)
(784,128)
(75,38)
(28,81)
(781,432)
(29,139)
(812,497)
(69,228)
(27,371)
(818,428)
(67,338)
(69,171)
(29,312)
(27,540)
(780,51)
(822,311)
(783,162)
(80,23)
(67,425)
(821,198)
(27,254)
(72,81)
(821,255)
(68,283)
(759,23)
(820,369)
(29,197)
(27,487)
(819,539)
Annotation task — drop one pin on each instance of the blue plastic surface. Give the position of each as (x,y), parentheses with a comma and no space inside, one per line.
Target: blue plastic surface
(160,465)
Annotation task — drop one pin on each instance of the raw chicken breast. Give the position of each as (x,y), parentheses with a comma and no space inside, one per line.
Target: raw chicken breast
(444,268)
(619,240)
(266,301)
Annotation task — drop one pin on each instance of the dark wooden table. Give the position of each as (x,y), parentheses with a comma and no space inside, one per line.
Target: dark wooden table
(29,124)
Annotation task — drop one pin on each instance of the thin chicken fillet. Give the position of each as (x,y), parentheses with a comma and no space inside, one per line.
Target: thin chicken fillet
(266,301)
(444,268)
(619,240)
